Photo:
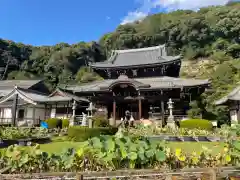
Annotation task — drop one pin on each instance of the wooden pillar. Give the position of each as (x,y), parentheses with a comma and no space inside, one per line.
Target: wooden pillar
(139,106)
(55,110)
(45,111)
(14,110)
(67,109)
(162,107)
(113,119)
(33,115)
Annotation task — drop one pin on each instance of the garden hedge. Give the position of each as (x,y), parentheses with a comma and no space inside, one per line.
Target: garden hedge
(80,133)
(65,123)
(52,122)
(196,123)
(100,121)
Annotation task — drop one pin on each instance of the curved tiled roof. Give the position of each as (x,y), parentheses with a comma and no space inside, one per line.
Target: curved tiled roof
(150,83)
(233,95)
(137,57)
(9,84)
(34,97)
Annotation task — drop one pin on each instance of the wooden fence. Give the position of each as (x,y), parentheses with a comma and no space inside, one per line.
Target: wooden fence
(225,173)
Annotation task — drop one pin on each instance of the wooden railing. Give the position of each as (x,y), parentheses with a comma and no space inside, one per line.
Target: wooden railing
(223,173)
(78,120)
(159,116)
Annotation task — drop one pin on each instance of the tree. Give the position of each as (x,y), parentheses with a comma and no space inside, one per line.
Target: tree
(86,75)
(8,59)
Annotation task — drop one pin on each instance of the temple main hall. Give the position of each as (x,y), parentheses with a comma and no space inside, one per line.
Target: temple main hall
(140,81)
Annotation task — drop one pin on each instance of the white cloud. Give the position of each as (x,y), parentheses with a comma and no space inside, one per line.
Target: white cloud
(147,5)
(187,4)
(134,16)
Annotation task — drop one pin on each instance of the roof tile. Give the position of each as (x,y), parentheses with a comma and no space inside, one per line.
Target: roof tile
(137,57)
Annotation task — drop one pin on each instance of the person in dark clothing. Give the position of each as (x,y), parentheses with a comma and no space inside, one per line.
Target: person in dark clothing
(59,124)
(127,119)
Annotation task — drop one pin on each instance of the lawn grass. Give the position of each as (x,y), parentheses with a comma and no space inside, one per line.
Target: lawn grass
(58,147)
(189,147)
(59,144)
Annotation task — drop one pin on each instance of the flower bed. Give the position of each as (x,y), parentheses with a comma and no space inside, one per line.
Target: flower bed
(13,133)
(172,138)
(22,136)
(184,134)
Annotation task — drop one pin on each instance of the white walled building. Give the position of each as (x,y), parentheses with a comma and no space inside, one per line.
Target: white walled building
(32,106)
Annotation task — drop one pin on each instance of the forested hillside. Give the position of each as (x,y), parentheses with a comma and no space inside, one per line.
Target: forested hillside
(212,33)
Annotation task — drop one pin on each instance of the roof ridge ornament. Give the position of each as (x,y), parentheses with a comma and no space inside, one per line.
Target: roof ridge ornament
(140,49)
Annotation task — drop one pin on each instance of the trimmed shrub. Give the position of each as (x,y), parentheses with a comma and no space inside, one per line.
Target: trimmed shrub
(57,122)
(196,123)
(52,122)
(65,123)
(100,121)
(80,133)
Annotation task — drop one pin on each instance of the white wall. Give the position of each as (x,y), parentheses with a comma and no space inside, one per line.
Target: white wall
(29,112)
(6,115)
(234,117)
(53,113)
(40,114)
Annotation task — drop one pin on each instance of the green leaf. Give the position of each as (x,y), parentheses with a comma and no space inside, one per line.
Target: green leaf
(153,144)
(96,143)
(149,153)
(160,156)
(132,156)
(236,145)
(132,147)
(141,155)
(110,145)
(143,144)
(109,157)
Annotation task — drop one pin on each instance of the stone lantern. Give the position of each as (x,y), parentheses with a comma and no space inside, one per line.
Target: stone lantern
(91,109)
(170,120)
(73,118)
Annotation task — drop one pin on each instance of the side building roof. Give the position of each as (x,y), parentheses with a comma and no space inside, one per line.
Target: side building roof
(6,86)
(35,97)
(139,83)
(232,96)
(137,57)
(9,84)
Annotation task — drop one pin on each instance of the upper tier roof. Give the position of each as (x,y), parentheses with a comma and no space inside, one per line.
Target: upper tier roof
(137,57)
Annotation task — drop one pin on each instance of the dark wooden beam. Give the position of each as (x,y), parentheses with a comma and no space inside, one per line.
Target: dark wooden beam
(14,110)
(140,108)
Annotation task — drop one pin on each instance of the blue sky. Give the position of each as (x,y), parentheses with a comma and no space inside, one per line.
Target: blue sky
(47,22)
